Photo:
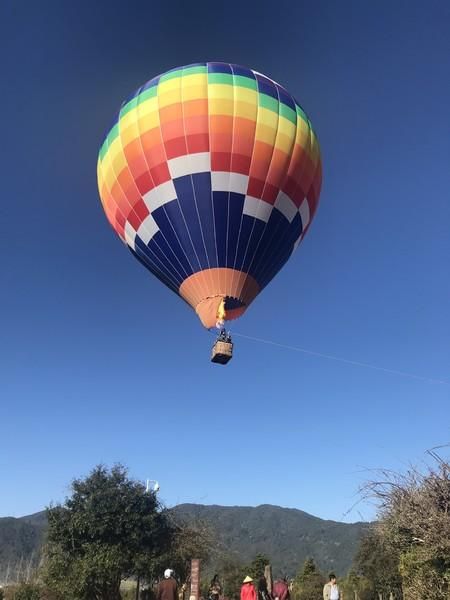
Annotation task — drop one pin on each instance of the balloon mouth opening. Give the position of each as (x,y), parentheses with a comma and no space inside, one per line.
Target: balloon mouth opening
(219,294)
(233,303)
(229,308)
(215,311)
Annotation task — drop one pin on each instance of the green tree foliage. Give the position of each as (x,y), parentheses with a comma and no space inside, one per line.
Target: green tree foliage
(309,582)
(29,591)
(414,529)
(232,575)
(129,594)
(424,577)
(378,563)
(190,540)
(256,568)
(108,530)
(357,587)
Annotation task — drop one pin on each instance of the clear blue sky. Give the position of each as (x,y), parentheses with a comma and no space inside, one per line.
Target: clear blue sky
(100,363)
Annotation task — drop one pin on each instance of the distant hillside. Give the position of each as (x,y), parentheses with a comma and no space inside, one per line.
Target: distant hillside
(20,544)
(288,536)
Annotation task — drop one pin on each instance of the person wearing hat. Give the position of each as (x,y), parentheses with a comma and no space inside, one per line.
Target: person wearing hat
(167,588)
(248,591)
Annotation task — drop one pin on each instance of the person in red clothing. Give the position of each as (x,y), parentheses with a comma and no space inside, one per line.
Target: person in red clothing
(248,591)
(280,590)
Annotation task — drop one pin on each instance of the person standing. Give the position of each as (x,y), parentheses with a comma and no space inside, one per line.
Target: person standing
(280,589)
(215,589)
(248,591)
(167,588)
(331,589)
(263,592)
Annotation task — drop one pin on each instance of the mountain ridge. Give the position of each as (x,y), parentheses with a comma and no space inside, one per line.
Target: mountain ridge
(257,506)
(287,535)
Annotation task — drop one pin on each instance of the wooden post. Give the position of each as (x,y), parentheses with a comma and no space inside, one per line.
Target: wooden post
(138,583)
(268,576)
(195,579)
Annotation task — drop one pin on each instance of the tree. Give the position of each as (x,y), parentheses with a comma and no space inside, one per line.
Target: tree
(233,573)
(414,521)
(356,587)
(378,563)
(309,582)
(257,566)
(108,530)
(190,540)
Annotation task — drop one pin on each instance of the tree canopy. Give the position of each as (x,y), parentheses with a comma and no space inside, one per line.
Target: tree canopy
(378,564)
(409,550)
(109,529)
(309,582)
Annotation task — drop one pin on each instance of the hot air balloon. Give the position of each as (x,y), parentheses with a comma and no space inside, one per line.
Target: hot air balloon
(211,176)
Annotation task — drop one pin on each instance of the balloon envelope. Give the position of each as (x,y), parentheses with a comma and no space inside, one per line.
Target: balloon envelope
(211,175)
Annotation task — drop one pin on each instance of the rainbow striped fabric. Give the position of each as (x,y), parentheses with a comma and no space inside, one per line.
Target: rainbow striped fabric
(211,175)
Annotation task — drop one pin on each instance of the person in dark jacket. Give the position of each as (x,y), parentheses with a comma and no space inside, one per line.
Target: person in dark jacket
(263,592)
(167,588)
(215,589)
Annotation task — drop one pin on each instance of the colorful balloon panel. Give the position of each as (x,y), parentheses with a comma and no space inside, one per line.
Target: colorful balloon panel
(211,175)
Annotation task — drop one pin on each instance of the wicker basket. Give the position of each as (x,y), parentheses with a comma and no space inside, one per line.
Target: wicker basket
(222,352)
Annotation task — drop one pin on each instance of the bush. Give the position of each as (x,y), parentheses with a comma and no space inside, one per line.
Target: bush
(308,585)
(28,591)
(414,527)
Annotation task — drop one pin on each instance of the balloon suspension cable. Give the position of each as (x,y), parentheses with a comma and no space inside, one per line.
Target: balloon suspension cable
(344,360)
